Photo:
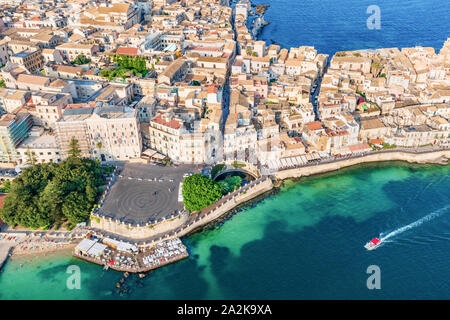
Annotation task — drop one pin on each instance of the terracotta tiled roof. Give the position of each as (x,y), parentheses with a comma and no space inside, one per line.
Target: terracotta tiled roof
(316,125)
(376,141)
(212,89)
(129,51)
(174,124)
(89,104)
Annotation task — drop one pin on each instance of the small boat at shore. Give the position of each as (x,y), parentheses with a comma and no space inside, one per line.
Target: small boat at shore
(373,243)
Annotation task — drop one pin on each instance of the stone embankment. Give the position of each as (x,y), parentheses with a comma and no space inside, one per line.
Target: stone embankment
(439,157)
(184,223)
(219,209)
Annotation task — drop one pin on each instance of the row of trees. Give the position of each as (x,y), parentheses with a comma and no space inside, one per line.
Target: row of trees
(50,195)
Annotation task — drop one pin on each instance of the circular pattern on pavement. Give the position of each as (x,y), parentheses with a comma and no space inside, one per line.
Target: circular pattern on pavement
(140,201)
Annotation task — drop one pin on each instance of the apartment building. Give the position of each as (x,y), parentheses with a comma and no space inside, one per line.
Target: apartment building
(114,133)
(351,63)
(14,129)
(40,147)
(29,59)
(69,51)
(11,100)
(49,107)
(117,16)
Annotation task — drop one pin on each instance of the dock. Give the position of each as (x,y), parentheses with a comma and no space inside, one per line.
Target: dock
(126,257)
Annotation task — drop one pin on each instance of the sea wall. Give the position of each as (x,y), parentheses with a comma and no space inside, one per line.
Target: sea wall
(184,223)
(138,232)
(429,157)
(261,186)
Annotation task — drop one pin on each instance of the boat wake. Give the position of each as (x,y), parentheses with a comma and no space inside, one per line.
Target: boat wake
(416,223)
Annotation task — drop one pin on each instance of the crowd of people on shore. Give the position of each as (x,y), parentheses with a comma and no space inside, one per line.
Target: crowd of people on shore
(25,242)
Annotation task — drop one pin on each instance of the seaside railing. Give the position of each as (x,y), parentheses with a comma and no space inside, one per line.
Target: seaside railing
(329,159)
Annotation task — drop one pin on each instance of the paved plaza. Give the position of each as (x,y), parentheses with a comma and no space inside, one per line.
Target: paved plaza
(145,193)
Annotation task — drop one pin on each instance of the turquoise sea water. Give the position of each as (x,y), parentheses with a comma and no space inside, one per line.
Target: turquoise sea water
(306,242)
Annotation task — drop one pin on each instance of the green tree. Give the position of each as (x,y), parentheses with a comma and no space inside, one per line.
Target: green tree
(81,59)
(6,186)
(31,157)
(51,200)
(76,207)
(230,184)
(199,192)
(46,195)
(216,169)
(74,148)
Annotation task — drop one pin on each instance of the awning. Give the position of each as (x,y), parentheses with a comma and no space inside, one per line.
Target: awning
(153,154)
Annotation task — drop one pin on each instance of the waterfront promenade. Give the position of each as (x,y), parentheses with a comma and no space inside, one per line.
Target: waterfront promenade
(185,224)
(38,242)
(197,220)
(417,155)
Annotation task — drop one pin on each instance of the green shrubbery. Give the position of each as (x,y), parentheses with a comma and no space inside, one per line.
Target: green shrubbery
(126,67)
(199,192)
